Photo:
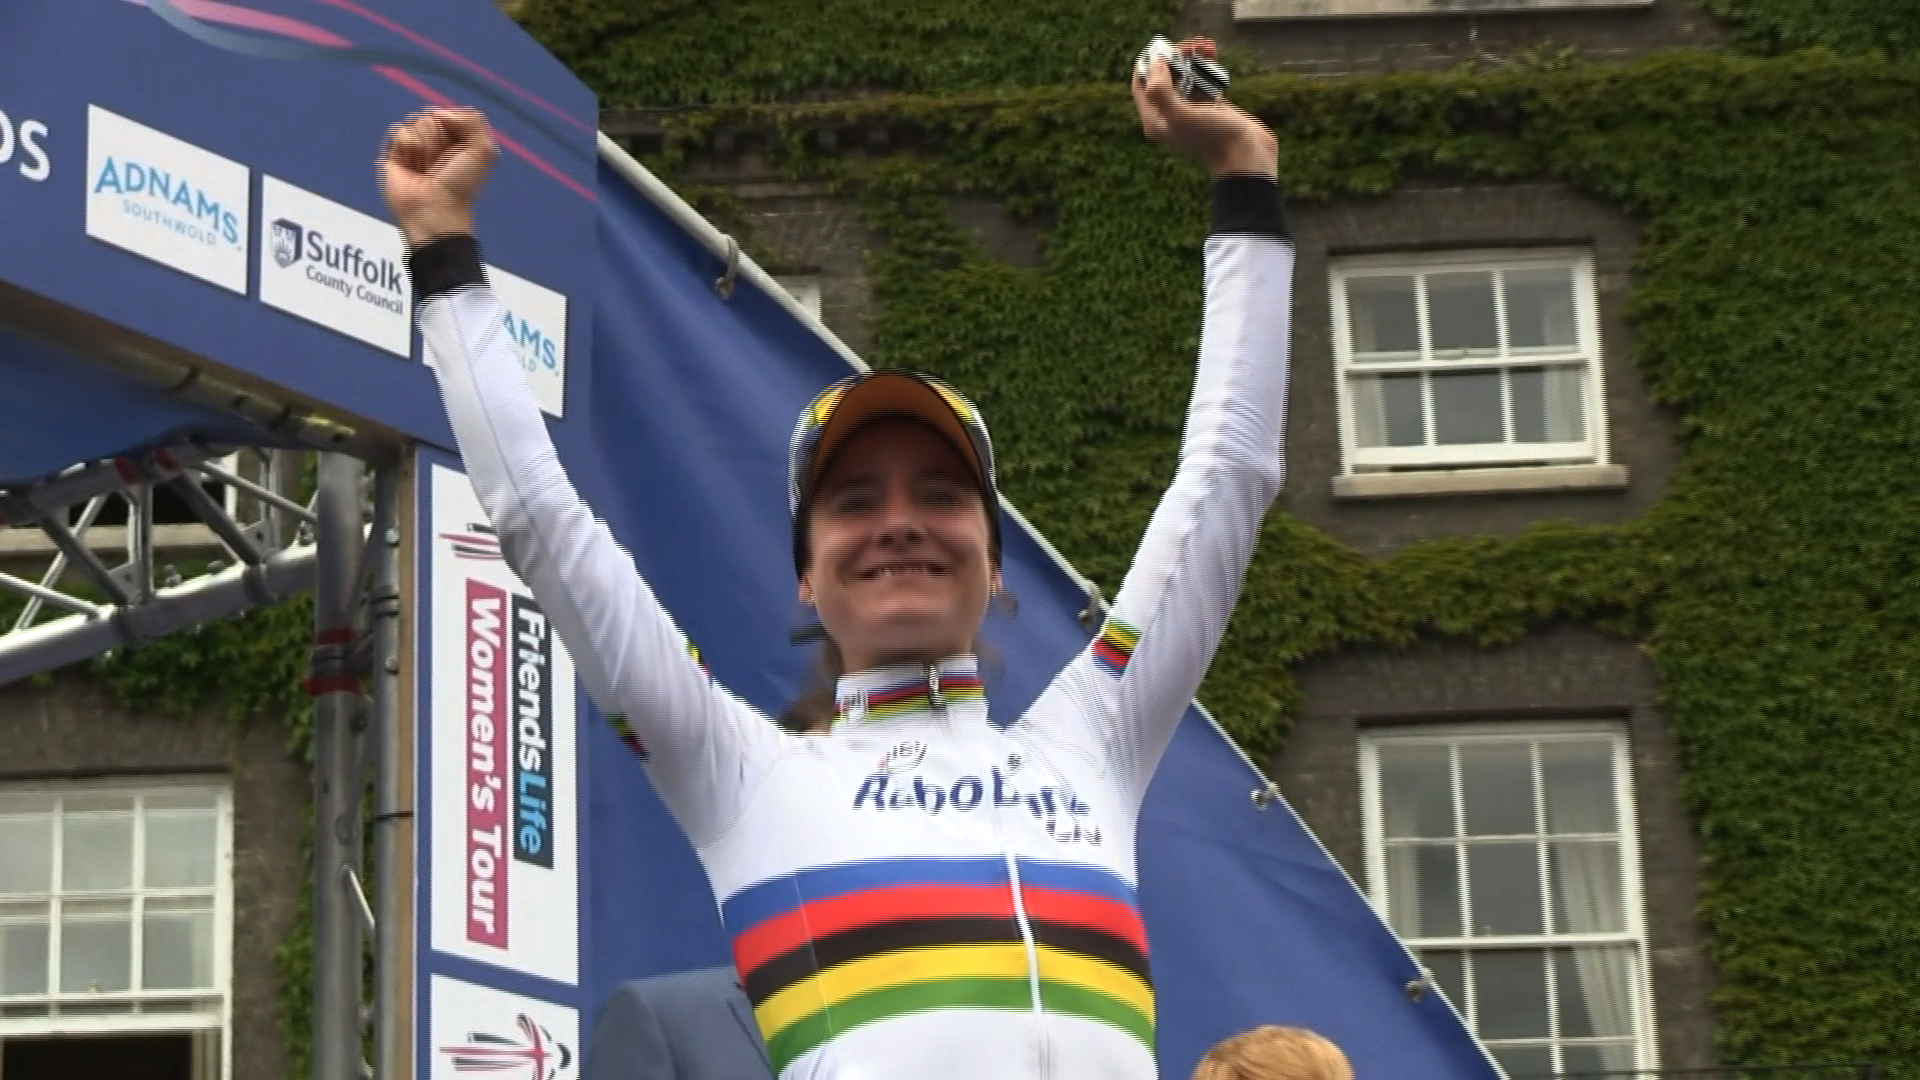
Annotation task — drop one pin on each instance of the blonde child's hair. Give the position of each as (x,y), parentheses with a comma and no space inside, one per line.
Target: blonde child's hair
(1275,1053)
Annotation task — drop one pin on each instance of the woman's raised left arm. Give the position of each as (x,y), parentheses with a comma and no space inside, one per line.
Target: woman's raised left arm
(1130,687)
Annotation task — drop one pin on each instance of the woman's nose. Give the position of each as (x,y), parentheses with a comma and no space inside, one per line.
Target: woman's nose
(900,521)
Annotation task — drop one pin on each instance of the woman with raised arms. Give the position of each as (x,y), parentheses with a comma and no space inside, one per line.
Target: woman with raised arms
(924,890)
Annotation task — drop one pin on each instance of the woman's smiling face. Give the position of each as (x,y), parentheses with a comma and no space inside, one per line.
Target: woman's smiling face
(900,565)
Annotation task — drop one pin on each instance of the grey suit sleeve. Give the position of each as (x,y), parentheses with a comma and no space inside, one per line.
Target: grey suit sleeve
(628,1042)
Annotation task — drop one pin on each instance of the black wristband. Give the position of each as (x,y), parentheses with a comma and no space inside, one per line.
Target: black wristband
(1248,204)
(444,264)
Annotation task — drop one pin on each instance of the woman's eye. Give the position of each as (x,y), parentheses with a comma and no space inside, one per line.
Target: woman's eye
(851,502)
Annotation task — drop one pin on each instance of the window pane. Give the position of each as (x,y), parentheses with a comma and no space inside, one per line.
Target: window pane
(1524,1062)
(1503,884)
(26,854)
(1597,1060)
(1585,878)
(1416,790)
(1549,404)
(1448,969)
(1423,890)
(1540,308)
(1383,315)
(1466,409)
(23,948)
(1460,312)
(1595,990)
(1386,410)
(1496,783)
(1510,990)
(180,849)
(1578,780)
(96,852)
(96,946)
(177,945)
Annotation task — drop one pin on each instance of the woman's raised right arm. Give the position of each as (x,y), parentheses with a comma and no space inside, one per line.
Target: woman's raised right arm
(700,742)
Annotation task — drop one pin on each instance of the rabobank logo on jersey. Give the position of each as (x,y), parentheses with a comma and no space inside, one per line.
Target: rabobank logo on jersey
(335,266)
(536,323)
(167,200)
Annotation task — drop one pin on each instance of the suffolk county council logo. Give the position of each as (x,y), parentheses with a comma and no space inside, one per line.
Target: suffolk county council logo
(533,1054)
(287,237)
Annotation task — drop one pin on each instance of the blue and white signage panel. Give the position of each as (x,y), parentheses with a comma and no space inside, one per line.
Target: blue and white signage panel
(202,172)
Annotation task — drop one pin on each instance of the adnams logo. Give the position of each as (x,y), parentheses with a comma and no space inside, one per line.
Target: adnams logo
(536,323)
(168,200)
(23,147)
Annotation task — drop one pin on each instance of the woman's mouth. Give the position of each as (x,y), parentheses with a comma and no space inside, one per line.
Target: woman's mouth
(899,571)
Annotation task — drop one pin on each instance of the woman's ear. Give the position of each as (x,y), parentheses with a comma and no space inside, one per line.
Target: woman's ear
(806,591)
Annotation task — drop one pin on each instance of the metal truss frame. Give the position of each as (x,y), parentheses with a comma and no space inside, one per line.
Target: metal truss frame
(268,553)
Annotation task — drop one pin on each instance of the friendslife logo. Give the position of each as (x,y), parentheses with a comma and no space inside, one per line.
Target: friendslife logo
(486,736)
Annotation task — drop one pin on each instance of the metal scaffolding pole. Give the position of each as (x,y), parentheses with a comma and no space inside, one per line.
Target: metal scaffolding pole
(389,798)
(338,716)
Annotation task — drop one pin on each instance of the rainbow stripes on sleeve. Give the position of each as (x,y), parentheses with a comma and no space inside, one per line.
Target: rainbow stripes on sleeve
(623,727)
(828,949)
(1114,647)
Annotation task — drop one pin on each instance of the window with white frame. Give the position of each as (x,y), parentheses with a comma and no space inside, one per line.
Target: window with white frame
(115,925)
(1479,360)
(1506,858)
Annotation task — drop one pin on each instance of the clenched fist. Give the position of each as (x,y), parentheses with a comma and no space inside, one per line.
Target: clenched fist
(432,167)
(1227,139)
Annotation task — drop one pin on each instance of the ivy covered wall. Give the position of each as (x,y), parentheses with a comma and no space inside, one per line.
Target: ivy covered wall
(1774,308)
(1892,26)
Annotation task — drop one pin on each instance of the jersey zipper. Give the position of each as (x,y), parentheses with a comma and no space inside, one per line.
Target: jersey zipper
(1041,1035)
(934,698)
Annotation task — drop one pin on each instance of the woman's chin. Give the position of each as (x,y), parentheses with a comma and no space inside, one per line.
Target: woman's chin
(905,636)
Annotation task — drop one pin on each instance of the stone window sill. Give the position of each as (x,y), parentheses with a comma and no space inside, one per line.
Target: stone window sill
(1250,10)
(1546,478)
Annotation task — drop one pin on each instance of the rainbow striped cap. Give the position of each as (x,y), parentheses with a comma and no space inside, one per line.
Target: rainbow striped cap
(850,404)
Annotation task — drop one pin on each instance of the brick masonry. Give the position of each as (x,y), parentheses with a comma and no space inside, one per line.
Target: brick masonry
(73,730)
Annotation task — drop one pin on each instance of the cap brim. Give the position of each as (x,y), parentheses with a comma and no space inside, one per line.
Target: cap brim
(887,394)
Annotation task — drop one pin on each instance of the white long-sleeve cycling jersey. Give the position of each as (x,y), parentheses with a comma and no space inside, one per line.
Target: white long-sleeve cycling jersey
(926,891)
